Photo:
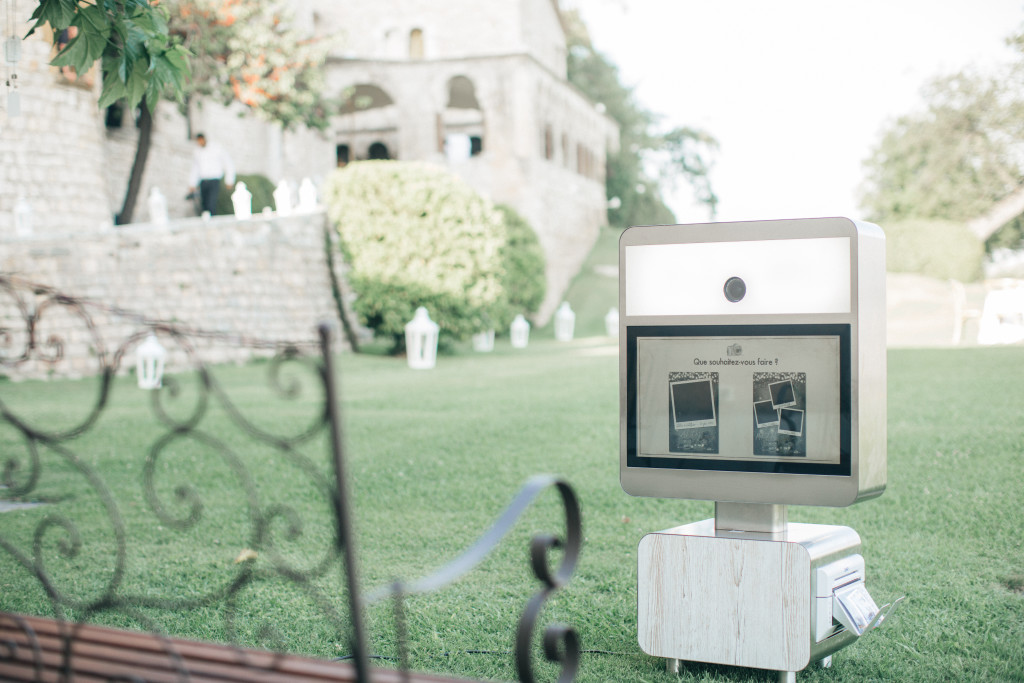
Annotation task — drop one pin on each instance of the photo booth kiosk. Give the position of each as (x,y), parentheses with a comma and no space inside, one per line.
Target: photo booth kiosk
(753,374)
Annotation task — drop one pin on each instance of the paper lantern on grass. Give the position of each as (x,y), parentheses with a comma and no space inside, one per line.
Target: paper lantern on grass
(520,332)
(149,363)
(565,322)
(483,341)
(611,322)
(421,340)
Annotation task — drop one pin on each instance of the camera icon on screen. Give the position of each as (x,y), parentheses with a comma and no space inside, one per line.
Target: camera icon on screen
(734,350)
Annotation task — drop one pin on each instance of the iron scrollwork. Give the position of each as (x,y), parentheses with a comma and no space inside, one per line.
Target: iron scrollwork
(178,504)
(560,642)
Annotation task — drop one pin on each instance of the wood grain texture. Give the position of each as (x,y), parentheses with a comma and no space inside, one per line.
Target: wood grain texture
(724,601)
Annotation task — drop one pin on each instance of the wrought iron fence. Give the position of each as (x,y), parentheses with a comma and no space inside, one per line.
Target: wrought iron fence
(25,308)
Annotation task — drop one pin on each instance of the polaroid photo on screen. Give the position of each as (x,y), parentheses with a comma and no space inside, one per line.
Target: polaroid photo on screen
(791,421)
(783,394)
(693,404)
(765,414)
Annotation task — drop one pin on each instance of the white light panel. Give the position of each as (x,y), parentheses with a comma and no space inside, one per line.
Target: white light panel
(787,276)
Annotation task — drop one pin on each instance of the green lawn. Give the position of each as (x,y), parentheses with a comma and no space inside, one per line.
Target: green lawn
(434,457)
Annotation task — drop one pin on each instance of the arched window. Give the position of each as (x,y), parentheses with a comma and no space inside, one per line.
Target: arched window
(416,43)
(342,153)
(462,114)
(462,94)
(365,96)
(549,143)
(379,150)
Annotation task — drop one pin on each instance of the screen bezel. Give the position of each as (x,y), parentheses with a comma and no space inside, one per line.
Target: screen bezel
(840,331)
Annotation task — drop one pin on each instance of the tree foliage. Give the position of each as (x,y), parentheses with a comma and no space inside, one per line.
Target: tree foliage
(251,52)
(140,60)
(951,161)
(956,158)
(648,162)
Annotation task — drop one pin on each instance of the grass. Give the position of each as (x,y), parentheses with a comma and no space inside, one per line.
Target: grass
(434,456)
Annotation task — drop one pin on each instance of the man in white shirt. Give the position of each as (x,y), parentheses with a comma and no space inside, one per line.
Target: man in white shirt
(210,164)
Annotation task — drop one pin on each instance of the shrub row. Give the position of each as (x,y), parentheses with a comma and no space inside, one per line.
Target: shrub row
(415,235)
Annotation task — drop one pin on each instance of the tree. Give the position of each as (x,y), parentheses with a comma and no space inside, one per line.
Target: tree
(251,52)
(140,60)
(647,162)
(960,159)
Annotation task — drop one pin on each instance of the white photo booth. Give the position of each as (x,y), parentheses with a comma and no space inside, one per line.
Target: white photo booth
(753,374)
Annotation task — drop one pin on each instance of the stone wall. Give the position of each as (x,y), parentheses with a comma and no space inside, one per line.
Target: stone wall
(50,153)
(240,284)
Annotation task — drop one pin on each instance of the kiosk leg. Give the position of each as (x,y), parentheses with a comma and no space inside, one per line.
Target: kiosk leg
(672,666)
(787,677)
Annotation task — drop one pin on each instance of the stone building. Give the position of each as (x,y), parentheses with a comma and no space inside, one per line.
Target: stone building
(481,86)
(477,85)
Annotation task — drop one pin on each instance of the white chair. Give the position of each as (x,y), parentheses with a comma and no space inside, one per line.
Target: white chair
(961,314)
(1002,318)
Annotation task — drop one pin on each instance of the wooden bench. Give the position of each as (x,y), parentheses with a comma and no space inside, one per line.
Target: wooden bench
(43,649)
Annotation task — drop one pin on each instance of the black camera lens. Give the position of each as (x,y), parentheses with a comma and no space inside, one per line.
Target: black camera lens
(735,289)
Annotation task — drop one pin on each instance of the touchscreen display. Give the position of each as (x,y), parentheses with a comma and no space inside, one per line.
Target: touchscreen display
(705,399)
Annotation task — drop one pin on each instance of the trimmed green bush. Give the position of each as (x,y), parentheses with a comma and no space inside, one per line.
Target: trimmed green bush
(415,235)
(523,263)
(936,248)
(262,194)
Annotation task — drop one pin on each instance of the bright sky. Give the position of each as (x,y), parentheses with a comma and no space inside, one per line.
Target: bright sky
(795,91)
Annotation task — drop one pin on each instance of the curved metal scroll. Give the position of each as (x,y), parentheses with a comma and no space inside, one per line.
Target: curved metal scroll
(180,418)
(560,642)
(181,422)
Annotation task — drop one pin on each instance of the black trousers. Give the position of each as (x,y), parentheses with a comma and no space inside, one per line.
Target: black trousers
(209,192)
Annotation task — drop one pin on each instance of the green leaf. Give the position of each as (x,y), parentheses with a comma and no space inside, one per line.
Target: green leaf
(113,89)
(136,84)
(57,13)
(88,45)
(91,19)
(76,54)
(178,56)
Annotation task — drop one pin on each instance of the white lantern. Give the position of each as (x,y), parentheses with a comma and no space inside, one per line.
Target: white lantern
(22,217)
(611,322)
(12,50)
(157,207)
(307,195)
(421,340)
(520,332)
(241,200)
(149,363)
(283,198)
(483,341)
(565,322)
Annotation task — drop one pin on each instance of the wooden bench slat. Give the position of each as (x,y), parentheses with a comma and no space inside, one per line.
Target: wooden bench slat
(99,653)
